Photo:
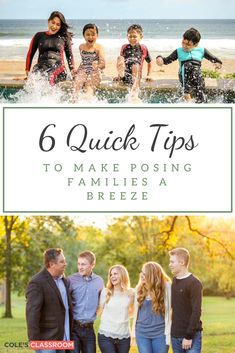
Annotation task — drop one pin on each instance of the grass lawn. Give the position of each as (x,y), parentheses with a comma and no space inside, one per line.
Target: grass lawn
(218,322)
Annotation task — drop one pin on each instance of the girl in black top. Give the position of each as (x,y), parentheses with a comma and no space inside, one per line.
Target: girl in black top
(52,45)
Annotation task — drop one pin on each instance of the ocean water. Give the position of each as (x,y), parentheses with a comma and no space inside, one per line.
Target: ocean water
(160,36)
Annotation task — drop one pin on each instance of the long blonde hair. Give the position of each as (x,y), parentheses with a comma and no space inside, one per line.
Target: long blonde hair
(154,286)
(125,281)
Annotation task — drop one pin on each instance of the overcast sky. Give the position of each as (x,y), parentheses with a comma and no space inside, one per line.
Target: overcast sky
(119,9)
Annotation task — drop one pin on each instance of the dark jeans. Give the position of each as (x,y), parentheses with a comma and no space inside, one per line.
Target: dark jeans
(196,345)
(84,339)
(113,345)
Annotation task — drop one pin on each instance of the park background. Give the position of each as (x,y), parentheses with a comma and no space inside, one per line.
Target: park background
(127,240)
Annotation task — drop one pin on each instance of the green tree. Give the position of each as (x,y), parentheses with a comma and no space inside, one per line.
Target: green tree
(133,240)
(22,242)
(7,226)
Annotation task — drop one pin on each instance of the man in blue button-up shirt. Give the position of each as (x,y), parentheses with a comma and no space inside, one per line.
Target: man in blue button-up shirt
(85,287)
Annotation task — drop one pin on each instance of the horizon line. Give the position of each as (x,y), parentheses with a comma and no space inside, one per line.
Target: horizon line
(121,19)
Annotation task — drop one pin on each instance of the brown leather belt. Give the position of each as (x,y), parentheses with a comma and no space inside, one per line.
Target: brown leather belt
(84,324)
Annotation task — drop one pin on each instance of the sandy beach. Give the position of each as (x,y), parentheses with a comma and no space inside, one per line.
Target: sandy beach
(10,70)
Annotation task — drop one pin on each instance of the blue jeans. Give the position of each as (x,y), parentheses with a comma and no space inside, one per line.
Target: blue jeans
(196,344)
(113,345)
(84,339)
(152,345)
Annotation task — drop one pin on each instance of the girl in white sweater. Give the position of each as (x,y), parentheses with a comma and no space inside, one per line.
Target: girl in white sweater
(116,301)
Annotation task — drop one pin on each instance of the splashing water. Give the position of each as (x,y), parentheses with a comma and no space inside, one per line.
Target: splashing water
(37,90)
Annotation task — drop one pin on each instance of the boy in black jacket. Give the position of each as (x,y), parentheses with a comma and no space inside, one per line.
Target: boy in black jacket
(186,305)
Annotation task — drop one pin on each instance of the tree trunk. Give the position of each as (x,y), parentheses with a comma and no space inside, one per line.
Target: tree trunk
(8,312)
(8,229)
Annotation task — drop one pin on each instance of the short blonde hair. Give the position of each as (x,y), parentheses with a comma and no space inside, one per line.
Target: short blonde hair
(89,255)
(182,253)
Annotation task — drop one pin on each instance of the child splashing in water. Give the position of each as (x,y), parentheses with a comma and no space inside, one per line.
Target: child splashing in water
(131,59)
(190,56)
(93,61)
(51,46)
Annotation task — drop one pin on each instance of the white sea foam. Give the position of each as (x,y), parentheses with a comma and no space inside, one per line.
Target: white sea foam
(157,43)
(16,49)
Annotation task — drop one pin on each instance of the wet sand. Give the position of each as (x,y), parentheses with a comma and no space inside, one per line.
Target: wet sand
(12,70)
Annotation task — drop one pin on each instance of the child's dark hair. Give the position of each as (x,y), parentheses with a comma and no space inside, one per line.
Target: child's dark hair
(90,26)
(136,28)
(192,35)
(64,25)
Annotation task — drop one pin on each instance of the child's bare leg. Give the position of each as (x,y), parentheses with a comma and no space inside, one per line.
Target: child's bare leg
(93,80)
(89,92)
(136,85)
(120,66)
(135,70)
(187,97)
(80,80)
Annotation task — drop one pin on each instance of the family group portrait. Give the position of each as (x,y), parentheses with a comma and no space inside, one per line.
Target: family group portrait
(123,53)
(138,284)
